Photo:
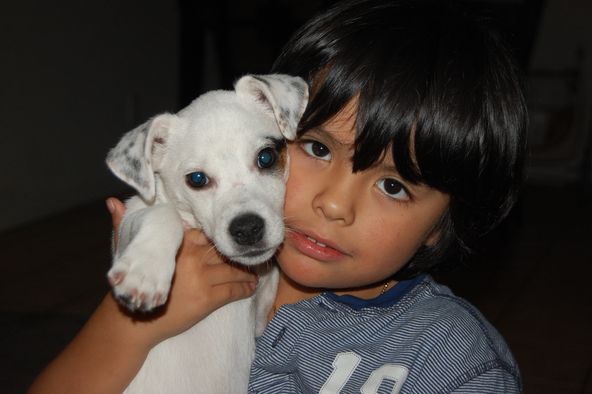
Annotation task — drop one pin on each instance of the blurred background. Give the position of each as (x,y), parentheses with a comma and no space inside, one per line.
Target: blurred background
(74,76)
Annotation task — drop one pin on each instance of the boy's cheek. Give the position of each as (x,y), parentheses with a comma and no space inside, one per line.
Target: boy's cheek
(295,192)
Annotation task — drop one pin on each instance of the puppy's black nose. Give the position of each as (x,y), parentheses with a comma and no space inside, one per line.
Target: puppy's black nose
(247,229)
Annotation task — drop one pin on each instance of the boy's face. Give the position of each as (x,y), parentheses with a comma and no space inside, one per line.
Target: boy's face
(351,231)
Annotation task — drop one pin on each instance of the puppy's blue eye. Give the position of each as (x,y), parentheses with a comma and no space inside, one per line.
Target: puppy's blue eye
(197,179)
(266,158)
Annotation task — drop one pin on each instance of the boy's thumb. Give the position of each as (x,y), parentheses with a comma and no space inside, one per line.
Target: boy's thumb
(116,208)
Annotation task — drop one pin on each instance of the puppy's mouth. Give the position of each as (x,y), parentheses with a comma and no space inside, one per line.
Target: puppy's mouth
(255,253)
(253,256)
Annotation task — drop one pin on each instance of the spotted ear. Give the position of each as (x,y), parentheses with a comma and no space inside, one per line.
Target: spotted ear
(138,153)
(283,96)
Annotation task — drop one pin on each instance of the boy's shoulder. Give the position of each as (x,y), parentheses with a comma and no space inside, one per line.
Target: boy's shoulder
(452,330)
(450,335)
(436,308)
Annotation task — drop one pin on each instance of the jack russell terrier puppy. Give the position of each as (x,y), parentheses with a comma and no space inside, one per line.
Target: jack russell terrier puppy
(219,165)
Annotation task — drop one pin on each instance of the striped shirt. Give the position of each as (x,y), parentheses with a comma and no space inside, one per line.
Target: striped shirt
(416,338)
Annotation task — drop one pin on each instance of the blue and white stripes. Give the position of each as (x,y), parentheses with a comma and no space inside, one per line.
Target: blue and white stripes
(416,338)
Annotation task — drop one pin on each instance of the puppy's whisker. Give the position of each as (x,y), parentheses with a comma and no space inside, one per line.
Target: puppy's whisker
(211,251)
(288,219)
(289,230)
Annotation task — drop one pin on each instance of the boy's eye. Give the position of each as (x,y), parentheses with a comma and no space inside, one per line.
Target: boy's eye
(393,188)
(316,149)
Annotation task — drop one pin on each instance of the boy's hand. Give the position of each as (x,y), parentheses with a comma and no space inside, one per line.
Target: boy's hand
(202,283)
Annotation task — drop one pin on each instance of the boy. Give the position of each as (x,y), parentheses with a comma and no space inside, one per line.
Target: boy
(411,147)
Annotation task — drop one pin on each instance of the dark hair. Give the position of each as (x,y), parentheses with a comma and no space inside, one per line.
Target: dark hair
(435,84)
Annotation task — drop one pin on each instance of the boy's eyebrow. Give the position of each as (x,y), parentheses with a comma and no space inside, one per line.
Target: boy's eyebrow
(389,168)
(330,136)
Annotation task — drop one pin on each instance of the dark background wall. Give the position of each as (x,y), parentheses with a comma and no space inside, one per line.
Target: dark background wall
(74,76)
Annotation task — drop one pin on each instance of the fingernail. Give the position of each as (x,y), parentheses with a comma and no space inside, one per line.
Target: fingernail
(110,205)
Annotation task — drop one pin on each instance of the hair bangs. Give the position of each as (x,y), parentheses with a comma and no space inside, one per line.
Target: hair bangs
(386,117)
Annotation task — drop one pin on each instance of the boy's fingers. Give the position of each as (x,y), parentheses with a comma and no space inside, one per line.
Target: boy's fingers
(197,237)
(229,292)
(220,274)
(117,209)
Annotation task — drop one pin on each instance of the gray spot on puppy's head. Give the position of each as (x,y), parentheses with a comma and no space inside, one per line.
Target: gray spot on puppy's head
(265,81)
(286,113)
(299,88)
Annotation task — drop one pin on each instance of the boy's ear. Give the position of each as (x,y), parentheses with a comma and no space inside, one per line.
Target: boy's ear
(282,96)
(434,235)
(433,238)
(138,154)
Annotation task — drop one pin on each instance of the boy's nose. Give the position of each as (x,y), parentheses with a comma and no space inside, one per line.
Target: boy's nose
(335,201)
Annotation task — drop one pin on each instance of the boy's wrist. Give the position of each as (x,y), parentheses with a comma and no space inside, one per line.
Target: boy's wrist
(124,331)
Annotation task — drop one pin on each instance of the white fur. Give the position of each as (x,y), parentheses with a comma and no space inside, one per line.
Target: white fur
(219,134)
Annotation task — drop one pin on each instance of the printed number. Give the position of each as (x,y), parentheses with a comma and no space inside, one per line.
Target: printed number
(344,366)
(396,373)
(346,363)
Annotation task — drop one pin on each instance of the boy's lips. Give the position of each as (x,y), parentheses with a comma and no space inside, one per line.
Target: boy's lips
(315,247)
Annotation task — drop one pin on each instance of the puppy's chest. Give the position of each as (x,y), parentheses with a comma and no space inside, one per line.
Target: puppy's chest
(224,329)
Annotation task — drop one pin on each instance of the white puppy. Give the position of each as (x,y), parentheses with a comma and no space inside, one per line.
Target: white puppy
(220,165)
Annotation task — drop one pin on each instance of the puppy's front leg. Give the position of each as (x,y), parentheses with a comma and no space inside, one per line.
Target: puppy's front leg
(144,262)
(265,297)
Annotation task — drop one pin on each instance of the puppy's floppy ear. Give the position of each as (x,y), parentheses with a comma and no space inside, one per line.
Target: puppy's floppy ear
(284,96)
(139,152)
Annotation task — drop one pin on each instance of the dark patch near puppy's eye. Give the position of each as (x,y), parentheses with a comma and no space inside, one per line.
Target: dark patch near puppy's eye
(278,143)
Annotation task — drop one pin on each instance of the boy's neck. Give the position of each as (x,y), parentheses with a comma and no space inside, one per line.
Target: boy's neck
(290,292)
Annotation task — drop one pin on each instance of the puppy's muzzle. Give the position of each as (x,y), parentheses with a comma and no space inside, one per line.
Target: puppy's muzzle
(247,229)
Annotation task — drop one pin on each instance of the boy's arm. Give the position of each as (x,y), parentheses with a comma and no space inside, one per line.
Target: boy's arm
(110,349)
(103,358)
(112,346)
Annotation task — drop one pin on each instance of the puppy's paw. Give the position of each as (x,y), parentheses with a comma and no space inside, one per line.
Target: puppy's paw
(141,284)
